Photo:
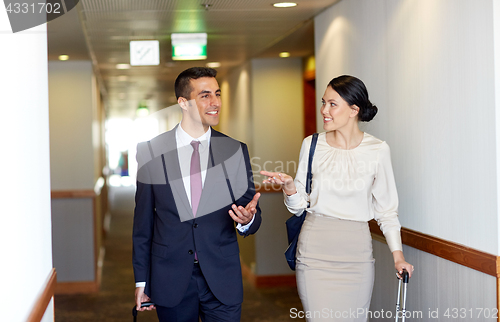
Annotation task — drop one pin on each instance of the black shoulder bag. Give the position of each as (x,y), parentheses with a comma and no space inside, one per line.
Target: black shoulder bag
(294,223)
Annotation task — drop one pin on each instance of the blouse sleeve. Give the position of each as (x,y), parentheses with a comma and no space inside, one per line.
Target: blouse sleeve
(297,202)
(385,200)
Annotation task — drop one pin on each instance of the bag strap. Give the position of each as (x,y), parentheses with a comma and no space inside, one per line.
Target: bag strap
(309,164)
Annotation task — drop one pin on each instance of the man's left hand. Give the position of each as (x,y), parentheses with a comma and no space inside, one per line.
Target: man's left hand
(244,215)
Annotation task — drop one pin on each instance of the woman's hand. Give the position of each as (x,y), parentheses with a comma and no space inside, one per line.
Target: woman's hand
(400,263)
(282,179)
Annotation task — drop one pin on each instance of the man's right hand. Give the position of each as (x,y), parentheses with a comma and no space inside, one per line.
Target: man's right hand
(140,297)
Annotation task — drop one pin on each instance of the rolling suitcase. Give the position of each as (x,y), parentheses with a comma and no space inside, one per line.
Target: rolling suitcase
(134,310)
(403,284)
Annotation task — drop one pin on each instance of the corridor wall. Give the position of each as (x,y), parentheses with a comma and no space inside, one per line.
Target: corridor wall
(263,106)
(76,118)
(236,113)
(277,110)
(429,66)
(25,222)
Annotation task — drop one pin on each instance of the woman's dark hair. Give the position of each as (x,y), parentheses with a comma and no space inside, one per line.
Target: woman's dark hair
(183,82)
(354,92)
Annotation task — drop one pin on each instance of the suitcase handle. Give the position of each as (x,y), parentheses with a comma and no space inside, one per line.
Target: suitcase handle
(134,309)
(405,276)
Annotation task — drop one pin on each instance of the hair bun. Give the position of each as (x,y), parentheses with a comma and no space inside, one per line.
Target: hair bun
(368,113)
(354,92)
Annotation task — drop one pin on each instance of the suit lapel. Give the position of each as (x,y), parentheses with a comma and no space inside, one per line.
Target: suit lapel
(213,195)
(175,178)
(210,177)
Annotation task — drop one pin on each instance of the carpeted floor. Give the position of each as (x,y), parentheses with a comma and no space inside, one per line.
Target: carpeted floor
(114,301)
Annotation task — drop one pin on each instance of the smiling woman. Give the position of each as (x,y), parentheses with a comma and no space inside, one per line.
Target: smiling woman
(346,193)
(344,103)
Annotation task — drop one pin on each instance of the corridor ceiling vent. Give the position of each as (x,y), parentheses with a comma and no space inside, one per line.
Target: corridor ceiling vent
(284,54)
(189,46)
(144,53)
(63,57)
(284,4)
(214,64)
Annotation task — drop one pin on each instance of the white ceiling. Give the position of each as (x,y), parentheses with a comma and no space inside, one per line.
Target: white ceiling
(238,30)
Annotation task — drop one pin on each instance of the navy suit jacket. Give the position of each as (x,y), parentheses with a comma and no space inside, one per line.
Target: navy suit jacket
(166,235)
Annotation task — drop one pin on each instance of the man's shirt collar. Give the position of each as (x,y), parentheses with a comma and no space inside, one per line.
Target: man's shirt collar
(185,139)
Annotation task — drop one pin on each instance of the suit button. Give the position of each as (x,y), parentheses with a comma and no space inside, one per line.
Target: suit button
(190,252)
(195,225)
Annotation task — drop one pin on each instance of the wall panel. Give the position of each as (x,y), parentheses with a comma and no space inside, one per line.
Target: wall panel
(428,66)
(438,285)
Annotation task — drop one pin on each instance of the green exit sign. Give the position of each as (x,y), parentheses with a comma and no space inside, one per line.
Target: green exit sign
(189,46)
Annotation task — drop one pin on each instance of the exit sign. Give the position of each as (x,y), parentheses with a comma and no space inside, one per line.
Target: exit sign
(189,46)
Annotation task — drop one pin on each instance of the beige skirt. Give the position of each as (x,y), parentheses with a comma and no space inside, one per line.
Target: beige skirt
(335,269)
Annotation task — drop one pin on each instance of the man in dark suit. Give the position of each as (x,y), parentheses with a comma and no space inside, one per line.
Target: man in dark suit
(193,184)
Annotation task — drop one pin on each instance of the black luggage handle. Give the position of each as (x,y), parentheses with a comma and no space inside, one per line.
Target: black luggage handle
(134,309)
(405,276)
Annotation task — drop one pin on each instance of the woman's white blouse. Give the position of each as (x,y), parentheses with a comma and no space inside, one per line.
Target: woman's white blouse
(356,184)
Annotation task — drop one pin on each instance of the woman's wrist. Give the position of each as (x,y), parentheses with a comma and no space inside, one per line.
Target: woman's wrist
(289,188)
(398,256)
(289,192)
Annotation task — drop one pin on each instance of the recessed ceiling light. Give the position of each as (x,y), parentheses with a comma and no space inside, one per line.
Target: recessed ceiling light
(122,66)
(63,57)
(284,54)
(214,64)
(284,4)
(122,78)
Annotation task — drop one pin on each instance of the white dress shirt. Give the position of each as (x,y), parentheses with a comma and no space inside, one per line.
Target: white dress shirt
(184,153)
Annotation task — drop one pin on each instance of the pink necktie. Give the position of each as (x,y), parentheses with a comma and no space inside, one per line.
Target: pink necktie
(195,177)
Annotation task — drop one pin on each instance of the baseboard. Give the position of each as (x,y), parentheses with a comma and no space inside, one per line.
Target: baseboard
(77,287)
(263,281)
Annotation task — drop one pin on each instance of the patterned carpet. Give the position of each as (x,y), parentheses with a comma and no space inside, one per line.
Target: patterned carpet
(114,301)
